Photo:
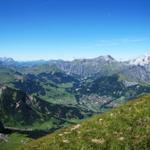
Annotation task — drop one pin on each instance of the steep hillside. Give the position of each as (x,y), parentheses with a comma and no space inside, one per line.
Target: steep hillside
(18,109)
(126,127)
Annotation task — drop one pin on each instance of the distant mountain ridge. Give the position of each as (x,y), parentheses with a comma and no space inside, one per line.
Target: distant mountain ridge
(137,70)
(141,60)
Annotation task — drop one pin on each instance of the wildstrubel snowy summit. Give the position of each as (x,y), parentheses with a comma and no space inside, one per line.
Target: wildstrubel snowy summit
(141,60)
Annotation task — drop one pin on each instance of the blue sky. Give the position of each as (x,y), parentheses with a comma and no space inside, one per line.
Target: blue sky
(68,29)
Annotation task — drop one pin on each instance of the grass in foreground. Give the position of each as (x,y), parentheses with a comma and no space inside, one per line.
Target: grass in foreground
(14,141)
(123,128)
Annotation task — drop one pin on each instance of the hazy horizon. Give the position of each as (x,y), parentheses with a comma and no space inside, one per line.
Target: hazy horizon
(36,59)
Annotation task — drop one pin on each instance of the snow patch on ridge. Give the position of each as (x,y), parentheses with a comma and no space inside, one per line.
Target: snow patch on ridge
(142,60)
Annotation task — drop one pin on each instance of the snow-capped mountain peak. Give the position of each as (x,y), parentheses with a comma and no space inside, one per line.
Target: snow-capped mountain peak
(142,60)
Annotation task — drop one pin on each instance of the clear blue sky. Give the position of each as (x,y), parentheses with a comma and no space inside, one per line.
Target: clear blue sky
(67,29)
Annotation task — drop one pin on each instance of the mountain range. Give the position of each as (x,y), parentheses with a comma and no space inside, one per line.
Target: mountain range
(45,95)
(135,70)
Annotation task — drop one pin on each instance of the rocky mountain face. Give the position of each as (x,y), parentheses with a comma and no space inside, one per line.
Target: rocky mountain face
(136,73)
(88,67)
(136,70)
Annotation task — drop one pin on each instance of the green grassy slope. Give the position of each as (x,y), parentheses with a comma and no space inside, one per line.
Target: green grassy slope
(14,141)
(8,75)
(123,128)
